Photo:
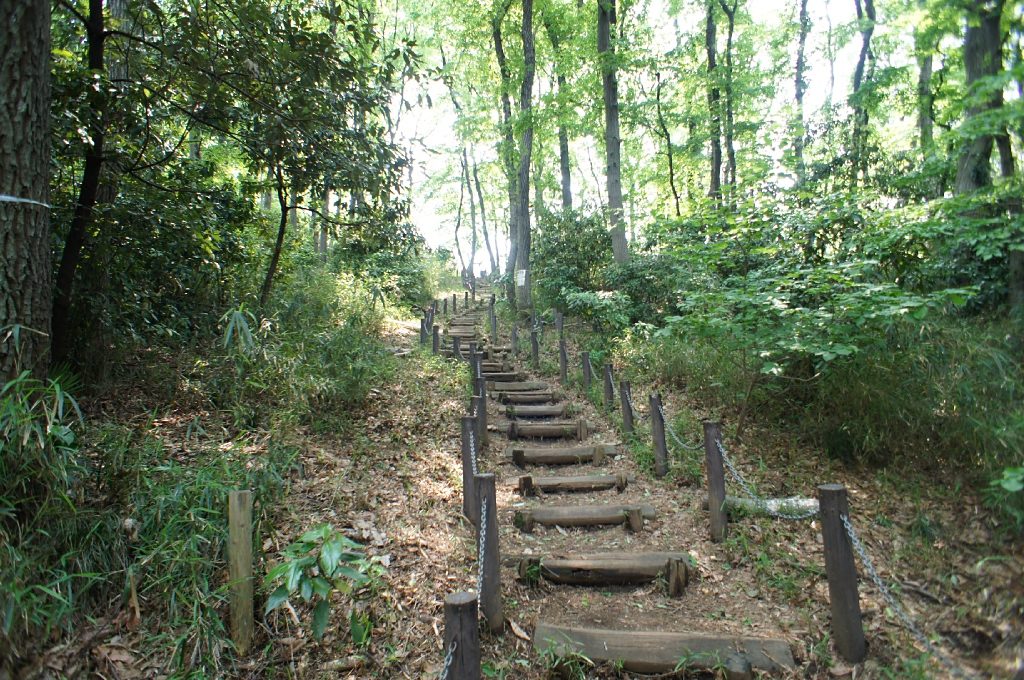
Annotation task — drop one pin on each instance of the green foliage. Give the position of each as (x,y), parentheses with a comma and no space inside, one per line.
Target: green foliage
(322,562)
(1005,493)
(568,254)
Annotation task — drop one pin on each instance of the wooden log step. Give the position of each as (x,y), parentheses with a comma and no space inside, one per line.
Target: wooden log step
(793,505)
(495,376)
(494,366)
(662,652)
(579,429)
(530,485)
(543,411)
(583,515)
(563,456)
(538,397)
(610,569)
(510,386)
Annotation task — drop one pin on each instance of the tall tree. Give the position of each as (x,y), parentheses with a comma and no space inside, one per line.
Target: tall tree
(730,145)
(924,48)
(800,88)
(663,127)
(714,101)
(561,112)
(483,215)
(610,90)
(25,293)
(507,145)
(522,236)
(861,76)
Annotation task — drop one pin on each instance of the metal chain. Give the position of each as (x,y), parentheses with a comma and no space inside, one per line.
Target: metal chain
(672,433)
(632,407)
(761,503)
(448,658)
(472,448)
(482,550)
(895,606)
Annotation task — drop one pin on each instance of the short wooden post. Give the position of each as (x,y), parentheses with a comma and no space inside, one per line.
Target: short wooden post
(423,329)
(658,437)
(534,350)
(588,376)
(560,325)
(240,568)
(480,404)
(455,303)
(445,308)
(462,636)
(563,362)
(609,389)
(515,340)
(470,502)
(841,570)
(625,396)
(465,300)
(716,480)
(494,326)
(457,346)
(436,339)
(472,348)
(490,598)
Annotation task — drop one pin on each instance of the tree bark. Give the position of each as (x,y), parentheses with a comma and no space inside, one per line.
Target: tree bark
(71,256)
(714,102)
(472,218)
(668,148)
(612,141)
(730,145)
(483,216)
(866,19)
(458,225)
(25,294)
(800,88)
(563,134)
(507,148)
(525,152)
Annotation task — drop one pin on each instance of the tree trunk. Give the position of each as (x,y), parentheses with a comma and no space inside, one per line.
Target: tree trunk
(610,89)
(25,294)
(472,218)
(858,151)
(483,216)
(507,149)
(525,151)
(321,242)
(714,105)
(668,148)
(730,146)
(563,134)
(458,225)
(282,227)
(87,191)
(800,88)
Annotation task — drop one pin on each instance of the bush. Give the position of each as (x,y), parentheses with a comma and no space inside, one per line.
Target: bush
(569,252)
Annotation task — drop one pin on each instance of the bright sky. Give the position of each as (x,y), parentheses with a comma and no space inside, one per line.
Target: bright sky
(429,132)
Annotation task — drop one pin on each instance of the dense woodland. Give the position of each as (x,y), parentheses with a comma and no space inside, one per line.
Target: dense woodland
(213,213)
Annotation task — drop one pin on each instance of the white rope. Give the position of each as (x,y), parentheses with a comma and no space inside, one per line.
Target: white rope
(6,198)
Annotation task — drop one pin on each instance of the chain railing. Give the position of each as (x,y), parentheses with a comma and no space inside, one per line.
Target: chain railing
(481,550)
(896,607)
(672,433)
(472,450)
(449,657)
(759,502)
(632,407)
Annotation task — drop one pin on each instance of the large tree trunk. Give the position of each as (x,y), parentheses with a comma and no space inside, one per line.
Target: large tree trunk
(610,89)
(858,151)
(25,294)
(507,149)
(472,218)
(525,153)
(730,145)
(458,225)
(800,88)
(982,58)
(714,102)
(563,134)
(87,190)
(668,148)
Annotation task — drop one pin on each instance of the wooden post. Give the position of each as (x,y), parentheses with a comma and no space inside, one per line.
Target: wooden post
(436,339)
(609,389)
(457,346)
(490,598)
(455,304)
(240,568)
(587,371)
(494,326)
(847,628)
(461,629)
(563,361)
(534,350)
(716,480)
(627,412)
(480,404)
(465,300)
(423,329)
(560,325)
(515,339)
(658,437)
(470,502)
(445,308)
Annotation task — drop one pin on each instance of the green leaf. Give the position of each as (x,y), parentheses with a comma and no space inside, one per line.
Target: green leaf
(360,627)
(276,599)
(321,613)
(306,589)
(352,574)
(321,586)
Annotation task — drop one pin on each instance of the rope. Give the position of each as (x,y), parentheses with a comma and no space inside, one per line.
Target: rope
(7,198)
(761,503)
(894,604)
